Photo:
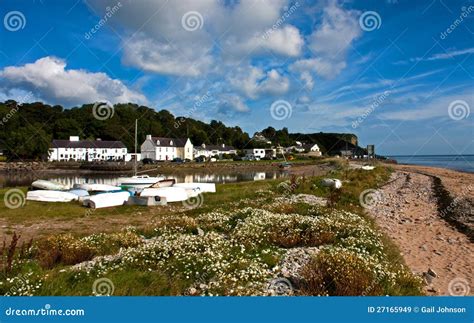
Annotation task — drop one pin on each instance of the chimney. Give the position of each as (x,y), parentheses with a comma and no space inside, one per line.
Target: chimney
(148,137)
(73,138)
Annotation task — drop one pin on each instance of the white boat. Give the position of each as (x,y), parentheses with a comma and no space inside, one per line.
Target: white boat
(48,185)
(50,196)
(97,187)
(79,192)
(139,180)
(203,187)
(331,182)
(146,200)
(367,167)
(172,194)
(163,183)
(107,199)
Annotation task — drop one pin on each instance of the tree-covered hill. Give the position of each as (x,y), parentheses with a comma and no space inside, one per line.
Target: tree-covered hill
(27,129)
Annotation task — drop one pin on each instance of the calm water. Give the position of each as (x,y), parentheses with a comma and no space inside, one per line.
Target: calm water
(25,179)
(457,162)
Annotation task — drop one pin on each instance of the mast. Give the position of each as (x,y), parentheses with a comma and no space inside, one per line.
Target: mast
(136,157)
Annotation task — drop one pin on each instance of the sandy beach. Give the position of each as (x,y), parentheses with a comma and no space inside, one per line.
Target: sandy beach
(408,211)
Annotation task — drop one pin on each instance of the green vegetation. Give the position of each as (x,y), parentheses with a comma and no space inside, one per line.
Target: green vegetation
(230,245)
(29,128)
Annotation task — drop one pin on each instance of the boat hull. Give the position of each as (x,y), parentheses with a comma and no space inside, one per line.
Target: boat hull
(107,200)
(50,196)
(172,194)
(48,185)
(203,187)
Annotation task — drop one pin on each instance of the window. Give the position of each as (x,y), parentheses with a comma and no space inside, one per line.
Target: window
(171,142)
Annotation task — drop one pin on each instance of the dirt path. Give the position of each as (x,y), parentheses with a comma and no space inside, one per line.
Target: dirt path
(407,212)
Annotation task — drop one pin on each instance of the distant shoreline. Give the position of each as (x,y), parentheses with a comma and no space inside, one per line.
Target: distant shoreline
(460,163)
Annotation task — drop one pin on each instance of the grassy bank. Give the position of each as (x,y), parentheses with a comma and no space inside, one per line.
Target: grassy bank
(232,243)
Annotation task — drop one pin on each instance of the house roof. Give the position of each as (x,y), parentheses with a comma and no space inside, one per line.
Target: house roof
(309,146)
(166,142)
(57,143)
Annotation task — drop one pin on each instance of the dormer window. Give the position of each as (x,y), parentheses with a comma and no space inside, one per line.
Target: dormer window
(171,142)
(158,142)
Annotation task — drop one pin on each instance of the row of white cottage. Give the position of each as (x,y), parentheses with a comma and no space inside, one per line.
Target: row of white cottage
(155,148)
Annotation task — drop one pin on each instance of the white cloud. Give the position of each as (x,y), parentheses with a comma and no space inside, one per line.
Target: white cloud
(440,56)
(158,42)
(232,103)
(254,82)
(49,80)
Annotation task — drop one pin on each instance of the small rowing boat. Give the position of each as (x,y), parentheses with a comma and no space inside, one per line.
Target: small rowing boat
(203,187)
(97,187)
(172,194)
(139,180)
(331,182)
(107,199)
(50,196)
(42,184)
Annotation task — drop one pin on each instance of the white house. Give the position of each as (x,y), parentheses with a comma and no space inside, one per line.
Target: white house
(312,149)
(87,150)
(160,148)
(254,153)
(209,151)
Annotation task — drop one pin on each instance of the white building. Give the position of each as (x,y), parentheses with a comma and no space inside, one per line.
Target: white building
(160,148)
(209,151)
(255,153)
(87,150)
(312,149)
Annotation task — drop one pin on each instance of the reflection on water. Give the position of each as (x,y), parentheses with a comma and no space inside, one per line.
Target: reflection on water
(25,179)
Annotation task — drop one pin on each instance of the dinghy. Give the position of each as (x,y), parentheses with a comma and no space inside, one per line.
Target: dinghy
(107,199)
(139,180)
(50,196)
(146,200)
(42,184)
(97,187)
(367,167)
(79,192)
(203,187)
(331,182)
(163,183)
(172,194)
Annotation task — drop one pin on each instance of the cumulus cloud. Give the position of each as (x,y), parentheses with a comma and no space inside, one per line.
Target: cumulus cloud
(231,104)
(254,82)
(329,43)
(49,80)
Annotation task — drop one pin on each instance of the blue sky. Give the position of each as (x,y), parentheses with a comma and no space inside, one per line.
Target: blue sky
(399,74)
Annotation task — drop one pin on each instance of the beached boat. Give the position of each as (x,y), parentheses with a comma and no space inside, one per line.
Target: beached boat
(172,194)
(331,182)
(285,165)
(79,192)
(163,183)
(97,187)
(42,184)
(146,200)
(203,187)
(139,180)
(50,196)
(107,199)
(367,167)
